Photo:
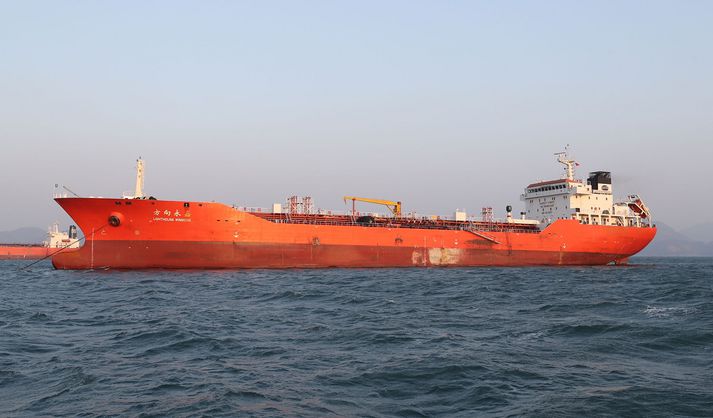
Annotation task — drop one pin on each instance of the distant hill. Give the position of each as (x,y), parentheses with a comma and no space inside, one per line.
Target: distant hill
(701,232)
(23,236)
(671,243)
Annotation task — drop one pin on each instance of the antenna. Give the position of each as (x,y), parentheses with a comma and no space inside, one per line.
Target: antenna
(67,189)
(563,157)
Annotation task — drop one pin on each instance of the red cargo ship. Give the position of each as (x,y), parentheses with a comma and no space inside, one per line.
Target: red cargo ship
(56,241)
(25,251)
(566,222)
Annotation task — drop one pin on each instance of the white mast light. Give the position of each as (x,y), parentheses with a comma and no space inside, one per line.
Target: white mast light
(139,192)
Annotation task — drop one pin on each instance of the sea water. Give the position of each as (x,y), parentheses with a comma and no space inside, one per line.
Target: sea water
(582,341)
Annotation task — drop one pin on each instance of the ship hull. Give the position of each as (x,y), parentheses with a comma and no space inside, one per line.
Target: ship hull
(219,255)
(197,235)
(25,252)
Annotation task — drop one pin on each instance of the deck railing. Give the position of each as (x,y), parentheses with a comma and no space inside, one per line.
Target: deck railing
(400,223)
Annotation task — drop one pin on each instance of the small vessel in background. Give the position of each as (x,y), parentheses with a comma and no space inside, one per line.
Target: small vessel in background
(56,241)
(565,222)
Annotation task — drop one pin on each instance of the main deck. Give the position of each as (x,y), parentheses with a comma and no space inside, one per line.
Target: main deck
(396,222)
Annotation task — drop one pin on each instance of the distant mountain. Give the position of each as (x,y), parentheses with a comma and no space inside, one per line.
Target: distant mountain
(701,232)
(669,242)
(23,236)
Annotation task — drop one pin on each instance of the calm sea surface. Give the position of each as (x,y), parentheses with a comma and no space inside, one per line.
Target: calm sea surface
(618,341)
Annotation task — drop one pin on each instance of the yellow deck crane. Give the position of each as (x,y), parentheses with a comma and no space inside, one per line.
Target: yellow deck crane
(394,207)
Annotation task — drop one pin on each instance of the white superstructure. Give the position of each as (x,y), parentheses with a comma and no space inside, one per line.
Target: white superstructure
(60,239)
(589,203)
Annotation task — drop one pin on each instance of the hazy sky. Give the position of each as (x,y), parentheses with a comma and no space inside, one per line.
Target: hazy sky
(440,104)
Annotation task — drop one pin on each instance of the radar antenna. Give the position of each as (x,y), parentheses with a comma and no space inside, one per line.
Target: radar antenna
(563,157)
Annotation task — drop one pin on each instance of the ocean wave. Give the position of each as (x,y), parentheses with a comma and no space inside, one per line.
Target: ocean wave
(669,311)
(401,342)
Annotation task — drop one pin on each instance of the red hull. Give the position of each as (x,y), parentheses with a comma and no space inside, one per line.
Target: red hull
(175,234)
(27,252)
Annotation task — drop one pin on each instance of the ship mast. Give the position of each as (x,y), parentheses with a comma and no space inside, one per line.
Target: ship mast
(563,157)
(139,192)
